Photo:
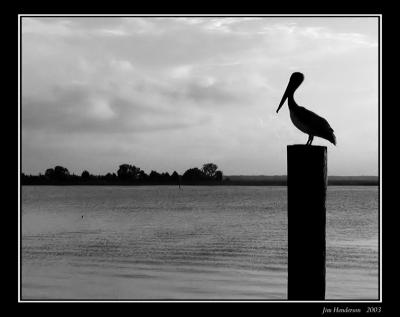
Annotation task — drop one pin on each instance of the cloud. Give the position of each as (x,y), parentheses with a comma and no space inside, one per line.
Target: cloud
(77,109)
(57,27)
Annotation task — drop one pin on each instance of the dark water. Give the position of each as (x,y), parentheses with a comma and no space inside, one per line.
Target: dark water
(159,242)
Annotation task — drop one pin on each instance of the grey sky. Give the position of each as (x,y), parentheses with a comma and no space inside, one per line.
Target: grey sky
(173,93)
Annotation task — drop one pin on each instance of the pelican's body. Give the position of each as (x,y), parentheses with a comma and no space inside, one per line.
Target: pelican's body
(305,120)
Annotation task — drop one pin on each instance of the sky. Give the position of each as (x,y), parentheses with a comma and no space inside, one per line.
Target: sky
(170,94)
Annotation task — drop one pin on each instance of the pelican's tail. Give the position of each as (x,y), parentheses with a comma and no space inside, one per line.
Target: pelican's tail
(332,138)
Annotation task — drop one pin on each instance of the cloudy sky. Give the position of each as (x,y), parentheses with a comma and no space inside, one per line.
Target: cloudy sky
(173,93)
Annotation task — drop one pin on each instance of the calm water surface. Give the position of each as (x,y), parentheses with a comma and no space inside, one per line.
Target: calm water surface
(200,242)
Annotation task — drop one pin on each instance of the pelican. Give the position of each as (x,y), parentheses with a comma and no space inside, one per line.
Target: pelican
(305,120)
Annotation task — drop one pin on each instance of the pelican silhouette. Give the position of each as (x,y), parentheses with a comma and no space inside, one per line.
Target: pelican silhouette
(305,120)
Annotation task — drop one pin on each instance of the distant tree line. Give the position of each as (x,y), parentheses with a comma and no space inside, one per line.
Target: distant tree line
(207,175)
(127,175)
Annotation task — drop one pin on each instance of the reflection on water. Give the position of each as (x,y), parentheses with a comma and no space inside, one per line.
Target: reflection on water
(159,242)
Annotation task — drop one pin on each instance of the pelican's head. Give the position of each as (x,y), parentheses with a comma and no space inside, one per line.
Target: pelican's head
(294,82)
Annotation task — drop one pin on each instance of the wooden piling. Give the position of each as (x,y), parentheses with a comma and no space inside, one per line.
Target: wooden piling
(306,185)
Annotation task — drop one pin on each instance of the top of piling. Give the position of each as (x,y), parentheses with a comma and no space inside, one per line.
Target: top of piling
(305,146)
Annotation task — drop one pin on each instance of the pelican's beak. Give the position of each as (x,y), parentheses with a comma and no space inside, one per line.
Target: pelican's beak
(285,96)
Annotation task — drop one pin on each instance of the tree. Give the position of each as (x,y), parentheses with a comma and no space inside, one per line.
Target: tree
(142,176)
(218,176)
(154,176)
(175,178)
(128,172)
(49,173)
(193,174)
(165,178)
(209,169)
(110,177)
(61,173)
(85,175)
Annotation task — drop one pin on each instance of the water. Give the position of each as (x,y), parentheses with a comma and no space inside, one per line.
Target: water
(200,242)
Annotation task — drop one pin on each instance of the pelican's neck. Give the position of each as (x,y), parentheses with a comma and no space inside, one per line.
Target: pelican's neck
(291,103)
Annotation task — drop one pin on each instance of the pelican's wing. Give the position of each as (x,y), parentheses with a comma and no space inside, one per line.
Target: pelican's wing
(318,125)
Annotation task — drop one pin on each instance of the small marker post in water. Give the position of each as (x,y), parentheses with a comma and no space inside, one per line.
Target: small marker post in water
(306,185)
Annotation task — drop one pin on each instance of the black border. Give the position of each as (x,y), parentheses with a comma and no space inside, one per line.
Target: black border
(327,303)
